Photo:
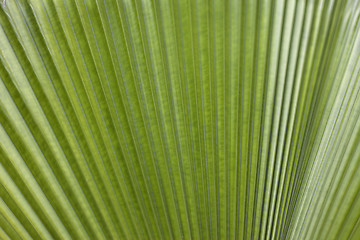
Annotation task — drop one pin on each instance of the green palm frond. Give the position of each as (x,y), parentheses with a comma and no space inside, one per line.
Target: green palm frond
(180,119)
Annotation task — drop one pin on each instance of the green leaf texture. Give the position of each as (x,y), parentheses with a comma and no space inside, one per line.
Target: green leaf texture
(180,119)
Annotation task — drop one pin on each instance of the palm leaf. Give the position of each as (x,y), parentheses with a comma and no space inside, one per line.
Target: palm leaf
(179,119)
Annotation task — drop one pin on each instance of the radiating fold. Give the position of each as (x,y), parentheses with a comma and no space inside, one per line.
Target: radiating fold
(179,119)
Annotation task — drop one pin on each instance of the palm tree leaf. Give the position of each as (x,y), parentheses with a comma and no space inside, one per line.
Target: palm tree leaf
(172,119)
